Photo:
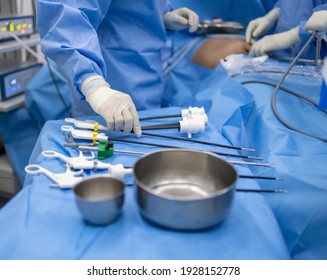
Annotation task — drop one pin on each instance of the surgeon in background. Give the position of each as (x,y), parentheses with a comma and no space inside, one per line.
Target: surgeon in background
(111,53)
(289,18)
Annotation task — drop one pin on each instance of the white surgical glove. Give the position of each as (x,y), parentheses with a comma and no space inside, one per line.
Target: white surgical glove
(317,22)
(180,19)
(115,107)
(279,41)
(261,25)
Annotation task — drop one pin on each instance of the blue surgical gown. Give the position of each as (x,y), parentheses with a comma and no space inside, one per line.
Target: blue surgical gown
(296,13)
(122,40)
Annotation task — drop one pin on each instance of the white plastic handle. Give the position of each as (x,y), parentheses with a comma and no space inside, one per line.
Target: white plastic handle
(33,169)
(87,124)
(67,128)
(195,113)
(37,169)
(191,126)
(84,134)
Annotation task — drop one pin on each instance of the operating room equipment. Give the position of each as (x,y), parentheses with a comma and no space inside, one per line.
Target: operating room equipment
(104,150)
(62,180)
(89,162)
(273,99)
(188,126)
(91,124)
(198,141)
(14,75)
(288,58)
(190,112)
(105,154)
(99,199)
(89,135)
(18,25)
(217,26)
(260,177)
(194,188)
(263,191)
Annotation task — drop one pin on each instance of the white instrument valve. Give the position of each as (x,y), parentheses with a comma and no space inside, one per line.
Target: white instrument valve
(191,126)
(194,113)
(118,171)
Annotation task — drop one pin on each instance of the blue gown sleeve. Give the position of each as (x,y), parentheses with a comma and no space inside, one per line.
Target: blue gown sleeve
(68,31)
(277,5)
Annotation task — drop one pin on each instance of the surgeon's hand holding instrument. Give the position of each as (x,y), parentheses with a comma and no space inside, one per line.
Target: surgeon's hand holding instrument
(180,19)
(261,25)
(116,107)
(279,41)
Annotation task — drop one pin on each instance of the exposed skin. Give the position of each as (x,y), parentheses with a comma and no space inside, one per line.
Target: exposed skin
(213,50)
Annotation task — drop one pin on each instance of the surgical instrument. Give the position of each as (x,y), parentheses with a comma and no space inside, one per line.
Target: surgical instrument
(91,124)
(288,58)
(189,126)
(185,113)
(262,191)
(199,142)
(260,177)
(154,145)
(88,162)
(105,149)
(83,134)
(273,99)
(62,180)
(217,26)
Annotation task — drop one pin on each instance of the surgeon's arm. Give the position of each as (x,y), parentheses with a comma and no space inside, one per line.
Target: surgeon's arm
(69,37)
(68,32)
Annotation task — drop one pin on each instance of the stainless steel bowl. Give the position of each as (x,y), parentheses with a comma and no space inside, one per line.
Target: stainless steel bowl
(184,189)
(99,199)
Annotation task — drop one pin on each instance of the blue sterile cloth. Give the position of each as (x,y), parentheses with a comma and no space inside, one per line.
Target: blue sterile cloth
(44,223)
(299,159)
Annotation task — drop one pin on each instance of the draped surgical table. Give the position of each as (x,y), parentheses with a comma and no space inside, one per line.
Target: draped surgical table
(44,223)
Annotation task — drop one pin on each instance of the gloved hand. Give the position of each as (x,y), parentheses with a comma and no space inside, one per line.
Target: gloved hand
(279,41)
(180,19)
(261,25)
(317,22)
(115,107)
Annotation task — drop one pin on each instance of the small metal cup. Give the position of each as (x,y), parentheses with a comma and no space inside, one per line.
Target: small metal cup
(99,199)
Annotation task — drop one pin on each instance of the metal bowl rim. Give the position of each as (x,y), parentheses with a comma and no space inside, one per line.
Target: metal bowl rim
(120,194)
(173,198)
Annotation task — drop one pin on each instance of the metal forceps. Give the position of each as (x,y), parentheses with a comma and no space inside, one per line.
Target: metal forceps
(62,180)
